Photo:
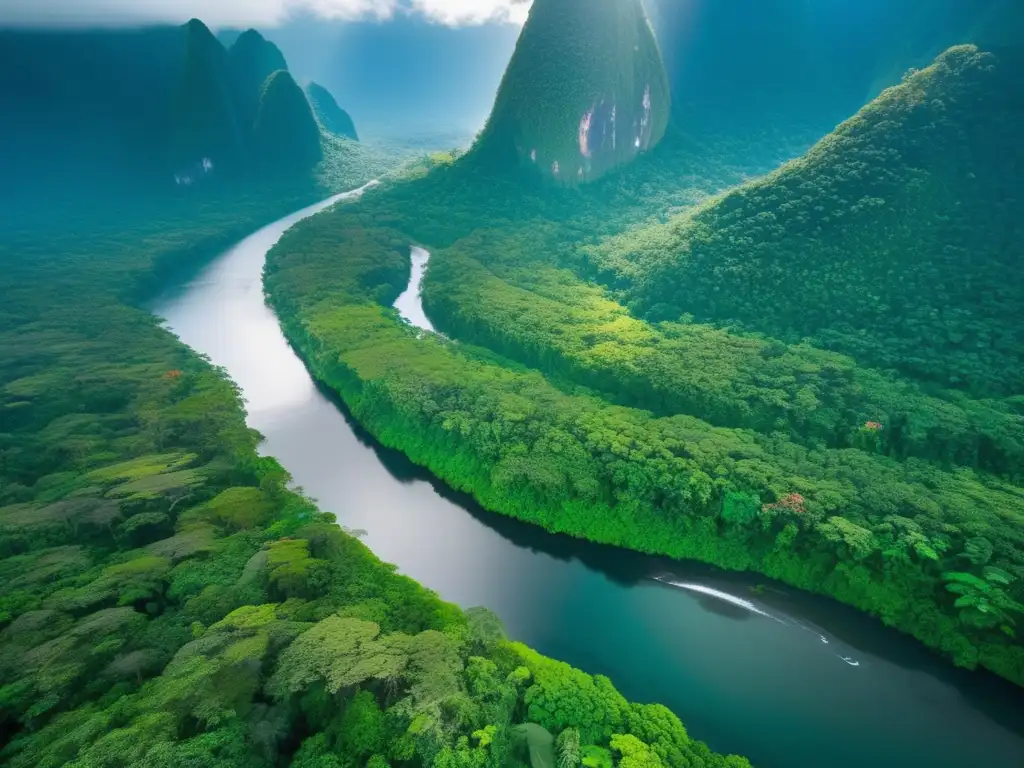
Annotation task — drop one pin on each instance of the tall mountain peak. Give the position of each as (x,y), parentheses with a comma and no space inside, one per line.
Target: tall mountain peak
(586,91)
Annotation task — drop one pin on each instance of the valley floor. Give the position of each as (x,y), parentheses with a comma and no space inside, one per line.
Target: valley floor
(562,407)
(169,601)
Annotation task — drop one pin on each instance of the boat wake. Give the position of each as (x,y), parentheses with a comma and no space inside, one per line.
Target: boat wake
(750,606)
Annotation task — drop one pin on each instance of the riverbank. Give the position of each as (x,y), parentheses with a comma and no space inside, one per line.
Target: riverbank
(163,585)
(726,670)
(551,452)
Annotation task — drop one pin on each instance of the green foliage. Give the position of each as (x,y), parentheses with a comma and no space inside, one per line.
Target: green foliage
(585,91)
(597,757)
(561,697)
(290,568)
(240,508)
(567,746)
(983,602)
(486,629)
(286,137)
(331,117)
(740,508)
(560,406)
(633,753)
(250,61)
(340,653)
(362,727)
(137,622)
(141,468)
(892,240)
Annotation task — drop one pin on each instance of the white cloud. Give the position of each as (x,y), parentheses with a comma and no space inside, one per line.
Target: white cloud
(265,13)
(458,12)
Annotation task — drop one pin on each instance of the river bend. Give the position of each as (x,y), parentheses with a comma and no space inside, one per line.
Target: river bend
(788,679)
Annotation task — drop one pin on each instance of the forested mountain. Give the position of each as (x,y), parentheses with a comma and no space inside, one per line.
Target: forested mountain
(166,598)
(585,91)
(285,135)
(895,240)
(205,122)
(251,60)
(164,107)
(843,418)
(331,117)
(814,376)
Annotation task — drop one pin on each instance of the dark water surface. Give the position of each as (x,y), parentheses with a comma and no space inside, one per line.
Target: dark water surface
(788,679)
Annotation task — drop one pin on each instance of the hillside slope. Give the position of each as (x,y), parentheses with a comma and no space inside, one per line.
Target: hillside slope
(585,91)
(331,117)
(897,239)
(286,135)
(205,121)
(251,60)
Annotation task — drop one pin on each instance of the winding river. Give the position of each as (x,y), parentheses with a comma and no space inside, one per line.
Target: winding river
(788,679)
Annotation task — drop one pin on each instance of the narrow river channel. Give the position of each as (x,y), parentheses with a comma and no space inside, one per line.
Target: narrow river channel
(790,680)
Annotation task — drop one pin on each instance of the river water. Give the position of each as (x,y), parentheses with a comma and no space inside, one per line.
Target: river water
(750,666)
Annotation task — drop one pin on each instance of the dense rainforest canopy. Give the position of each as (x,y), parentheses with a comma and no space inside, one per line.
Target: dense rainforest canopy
(813,375)
(558,396)
(893,240)
(168,601)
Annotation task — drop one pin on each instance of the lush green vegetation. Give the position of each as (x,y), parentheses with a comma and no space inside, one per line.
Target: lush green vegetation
(168,601)
(285,135)
(585,91)
(893,240)
(561,406)
(251,60)
(332,117)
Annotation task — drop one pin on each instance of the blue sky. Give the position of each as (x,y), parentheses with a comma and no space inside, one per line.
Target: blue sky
(403,76)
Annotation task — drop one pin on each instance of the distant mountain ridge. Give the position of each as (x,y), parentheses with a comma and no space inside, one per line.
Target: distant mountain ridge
(285,134)
(162,107)
(332,117)
(251,60)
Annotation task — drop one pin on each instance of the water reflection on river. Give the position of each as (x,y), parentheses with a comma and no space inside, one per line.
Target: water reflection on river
(756,670)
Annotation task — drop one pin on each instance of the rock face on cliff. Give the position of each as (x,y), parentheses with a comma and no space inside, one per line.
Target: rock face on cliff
(586,91)
(332,117)
(285,135)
